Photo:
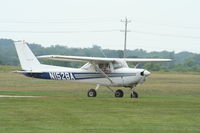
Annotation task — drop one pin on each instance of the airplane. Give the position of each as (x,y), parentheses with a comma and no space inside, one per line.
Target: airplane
(109,72)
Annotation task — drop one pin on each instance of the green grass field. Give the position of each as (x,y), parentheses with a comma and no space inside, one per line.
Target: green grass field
(168,103)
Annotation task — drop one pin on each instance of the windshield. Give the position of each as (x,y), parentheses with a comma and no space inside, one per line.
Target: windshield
(117,65)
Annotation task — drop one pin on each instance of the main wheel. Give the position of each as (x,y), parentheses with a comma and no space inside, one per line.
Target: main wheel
(134,94)
(119,93)
(92,93)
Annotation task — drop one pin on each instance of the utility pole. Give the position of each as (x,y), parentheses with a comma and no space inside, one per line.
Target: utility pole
(126,21)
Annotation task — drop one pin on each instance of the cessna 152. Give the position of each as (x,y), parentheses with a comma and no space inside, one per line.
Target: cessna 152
(99,71)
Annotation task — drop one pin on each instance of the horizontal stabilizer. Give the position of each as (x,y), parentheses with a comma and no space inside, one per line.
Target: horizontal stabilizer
(25,72)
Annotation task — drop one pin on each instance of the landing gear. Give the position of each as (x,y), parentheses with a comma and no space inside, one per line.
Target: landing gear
(119,93)
(134,94)
(92,93)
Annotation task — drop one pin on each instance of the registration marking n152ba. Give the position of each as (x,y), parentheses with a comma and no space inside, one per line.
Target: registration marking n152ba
(61,76)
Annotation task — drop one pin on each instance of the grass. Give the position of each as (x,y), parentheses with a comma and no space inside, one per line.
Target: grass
(167,103)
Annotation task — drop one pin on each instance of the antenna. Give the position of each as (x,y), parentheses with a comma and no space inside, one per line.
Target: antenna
(126,21)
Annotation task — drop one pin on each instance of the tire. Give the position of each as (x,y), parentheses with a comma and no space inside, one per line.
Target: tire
(134,94)
(92,93)
(119,93)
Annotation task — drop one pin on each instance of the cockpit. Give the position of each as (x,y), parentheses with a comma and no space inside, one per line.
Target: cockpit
(106,67)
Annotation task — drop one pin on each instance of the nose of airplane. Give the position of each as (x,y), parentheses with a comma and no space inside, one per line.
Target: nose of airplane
(146,73)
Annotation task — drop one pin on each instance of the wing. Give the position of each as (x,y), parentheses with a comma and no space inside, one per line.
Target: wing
(76,58)
(98,59)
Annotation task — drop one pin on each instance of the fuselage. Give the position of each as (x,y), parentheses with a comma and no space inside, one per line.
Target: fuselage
(102,71)
(123,76)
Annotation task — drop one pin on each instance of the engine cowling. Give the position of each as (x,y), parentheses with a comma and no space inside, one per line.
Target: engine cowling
(144,75)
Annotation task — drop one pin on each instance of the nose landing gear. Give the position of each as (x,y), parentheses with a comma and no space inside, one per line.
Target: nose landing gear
(134,94)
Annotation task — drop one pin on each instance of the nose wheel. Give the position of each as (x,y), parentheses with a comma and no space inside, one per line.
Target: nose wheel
(134,94)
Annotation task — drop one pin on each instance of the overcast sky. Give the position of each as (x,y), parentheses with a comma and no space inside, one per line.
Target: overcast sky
(156,25)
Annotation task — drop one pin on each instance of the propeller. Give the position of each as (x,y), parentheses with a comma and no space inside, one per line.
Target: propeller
(144,73)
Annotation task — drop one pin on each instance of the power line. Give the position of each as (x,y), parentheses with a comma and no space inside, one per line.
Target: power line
(21,31)
(166,35)
(75,21)
(64,21)
(169,25)
(98,31)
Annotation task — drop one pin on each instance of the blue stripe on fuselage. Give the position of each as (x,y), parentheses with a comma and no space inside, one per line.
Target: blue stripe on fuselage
(74,75)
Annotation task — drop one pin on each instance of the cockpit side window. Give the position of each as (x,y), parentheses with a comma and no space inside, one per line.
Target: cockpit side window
(105,67)
(117,65)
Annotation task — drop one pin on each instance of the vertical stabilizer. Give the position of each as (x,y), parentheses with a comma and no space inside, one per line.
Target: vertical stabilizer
(27,59)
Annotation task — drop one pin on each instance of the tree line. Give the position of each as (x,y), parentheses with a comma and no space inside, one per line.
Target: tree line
(182,61)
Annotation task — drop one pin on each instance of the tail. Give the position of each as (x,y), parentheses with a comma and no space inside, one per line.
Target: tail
(27,59)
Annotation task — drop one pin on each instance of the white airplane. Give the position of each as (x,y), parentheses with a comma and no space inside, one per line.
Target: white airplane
(109,72)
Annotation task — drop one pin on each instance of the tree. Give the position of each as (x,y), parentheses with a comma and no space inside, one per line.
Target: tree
(183,61)
(120,53)
(152,66)
(172,63)
(1,63)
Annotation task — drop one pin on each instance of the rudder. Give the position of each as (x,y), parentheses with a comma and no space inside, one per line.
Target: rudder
(27,59)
